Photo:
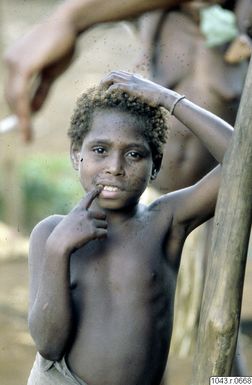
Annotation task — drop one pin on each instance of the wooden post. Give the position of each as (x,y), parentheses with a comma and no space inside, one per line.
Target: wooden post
(221,305)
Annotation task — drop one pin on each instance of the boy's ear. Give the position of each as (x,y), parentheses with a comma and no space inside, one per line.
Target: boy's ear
(75,157)
(157,161)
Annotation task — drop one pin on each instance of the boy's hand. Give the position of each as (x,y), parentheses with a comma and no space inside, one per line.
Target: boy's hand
(135,85)
(81,225)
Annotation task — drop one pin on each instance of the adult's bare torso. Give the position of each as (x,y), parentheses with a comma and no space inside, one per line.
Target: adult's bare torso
(183,62)
(122,291)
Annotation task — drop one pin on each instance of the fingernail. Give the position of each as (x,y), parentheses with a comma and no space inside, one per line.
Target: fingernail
(99,187)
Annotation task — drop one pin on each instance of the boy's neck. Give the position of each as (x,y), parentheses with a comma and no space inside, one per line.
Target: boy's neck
(117,217)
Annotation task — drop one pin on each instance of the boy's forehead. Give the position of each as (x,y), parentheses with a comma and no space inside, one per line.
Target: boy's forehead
(109,118)
(115,126)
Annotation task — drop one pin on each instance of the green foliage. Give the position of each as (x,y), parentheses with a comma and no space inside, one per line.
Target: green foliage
(49,186)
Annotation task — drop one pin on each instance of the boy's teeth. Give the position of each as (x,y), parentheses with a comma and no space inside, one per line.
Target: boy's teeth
(110,188)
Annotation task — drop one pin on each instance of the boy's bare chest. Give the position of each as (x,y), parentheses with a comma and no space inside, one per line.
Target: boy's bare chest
(134,261)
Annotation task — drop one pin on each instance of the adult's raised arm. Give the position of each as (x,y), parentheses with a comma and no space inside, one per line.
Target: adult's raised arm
(47,50)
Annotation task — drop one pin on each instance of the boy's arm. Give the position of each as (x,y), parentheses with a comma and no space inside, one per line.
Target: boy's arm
(193,205)
(51,245)
(50,315)
(196,204)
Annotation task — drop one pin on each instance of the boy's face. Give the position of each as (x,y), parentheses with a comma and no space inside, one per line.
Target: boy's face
(116,155)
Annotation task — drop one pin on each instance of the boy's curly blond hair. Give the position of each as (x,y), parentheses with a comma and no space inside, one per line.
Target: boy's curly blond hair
(153,118)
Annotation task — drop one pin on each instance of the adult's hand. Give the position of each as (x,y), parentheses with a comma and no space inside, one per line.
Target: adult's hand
(37,59)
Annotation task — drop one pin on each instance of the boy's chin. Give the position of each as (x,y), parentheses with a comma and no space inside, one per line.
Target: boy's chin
(117,205)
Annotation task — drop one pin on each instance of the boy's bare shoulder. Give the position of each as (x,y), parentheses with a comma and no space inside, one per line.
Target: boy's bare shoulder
(164,204)
(48,224)
(43,229)
(190,206)
(161,212)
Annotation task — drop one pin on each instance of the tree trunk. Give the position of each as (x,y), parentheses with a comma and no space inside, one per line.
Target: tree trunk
(221,305)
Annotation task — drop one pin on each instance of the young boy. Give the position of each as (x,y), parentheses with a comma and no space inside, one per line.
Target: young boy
(102,278)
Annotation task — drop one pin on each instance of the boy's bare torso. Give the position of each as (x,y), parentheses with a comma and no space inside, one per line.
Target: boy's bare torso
(122,294)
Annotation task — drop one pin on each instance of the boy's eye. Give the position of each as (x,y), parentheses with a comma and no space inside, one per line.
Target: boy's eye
(99,150)
(134,155)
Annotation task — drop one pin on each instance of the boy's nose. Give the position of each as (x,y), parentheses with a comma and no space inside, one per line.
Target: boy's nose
(115,165)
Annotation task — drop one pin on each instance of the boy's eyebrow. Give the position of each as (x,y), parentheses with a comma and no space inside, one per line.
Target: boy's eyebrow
(139,145)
